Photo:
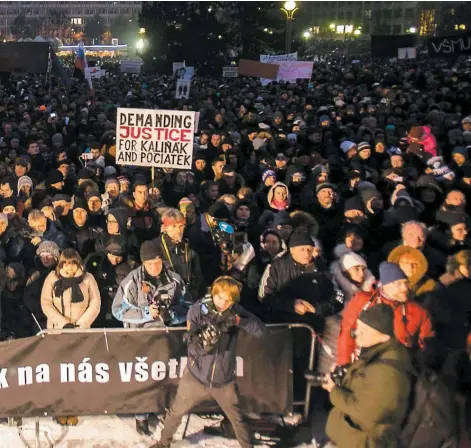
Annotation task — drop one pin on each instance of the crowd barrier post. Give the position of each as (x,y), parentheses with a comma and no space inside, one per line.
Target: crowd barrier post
(304,403)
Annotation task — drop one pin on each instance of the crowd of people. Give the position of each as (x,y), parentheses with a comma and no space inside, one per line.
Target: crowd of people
(344,192)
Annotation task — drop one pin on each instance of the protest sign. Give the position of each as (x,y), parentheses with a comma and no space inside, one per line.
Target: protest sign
(183,89)
(406,53)
(277,59)
(131,66)
(293,70)
(159,138)
(188,73)
(94,72)
(178,68)
(230,72)
(258,69)
(449,45)
(124,372)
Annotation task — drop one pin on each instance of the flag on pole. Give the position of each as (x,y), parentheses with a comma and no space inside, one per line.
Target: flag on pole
(58,68)
(81,65)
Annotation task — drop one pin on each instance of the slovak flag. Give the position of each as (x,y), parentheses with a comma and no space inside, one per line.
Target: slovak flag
(81,60)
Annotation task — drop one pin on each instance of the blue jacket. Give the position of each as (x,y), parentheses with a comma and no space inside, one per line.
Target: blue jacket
(218,368)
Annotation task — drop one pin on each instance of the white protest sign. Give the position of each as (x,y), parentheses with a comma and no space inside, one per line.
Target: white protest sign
(407,53)
(131,66)
(160,138)
(188,73)
(276,59)
(178,69)
(230,72)
(293,70)
(183,89)
(94,72)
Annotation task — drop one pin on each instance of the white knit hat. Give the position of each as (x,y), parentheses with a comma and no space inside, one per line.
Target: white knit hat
(350,260)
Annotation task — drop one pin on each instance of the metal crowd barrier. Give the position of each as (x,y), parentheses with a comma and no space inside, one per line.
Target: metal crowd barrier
(302,403)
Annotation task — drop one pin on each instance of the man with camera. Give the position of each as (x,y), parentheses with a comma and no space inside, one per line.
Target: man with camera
(150,296)
(371,399)
(213,325)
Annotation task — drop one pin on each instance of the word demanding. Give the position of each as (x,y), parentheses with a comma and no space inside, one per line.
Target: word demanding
(86,372)
(160,138)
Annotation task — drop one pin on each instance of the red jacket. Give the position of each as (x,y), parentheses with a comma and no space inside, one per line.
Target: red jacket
(410,329)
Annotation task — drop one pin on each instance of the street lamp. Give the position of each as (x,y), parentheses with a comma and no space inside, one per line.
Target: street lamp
(140,44)
(289,8)
(357,32)
(332,26)
(142,31)
(307,34)
(412,29)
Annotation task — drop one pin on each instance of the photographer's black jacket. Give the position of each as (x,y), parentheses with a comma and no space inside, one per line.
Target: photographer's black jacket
(217,368)
(285,280)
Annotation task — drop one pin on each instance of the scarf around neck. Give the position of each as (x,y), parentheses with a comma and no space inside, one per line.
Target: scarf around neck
(63,284)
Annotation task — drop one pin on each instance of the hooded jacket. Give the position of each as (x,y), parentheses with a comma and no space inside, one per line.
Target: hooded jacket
(412,324)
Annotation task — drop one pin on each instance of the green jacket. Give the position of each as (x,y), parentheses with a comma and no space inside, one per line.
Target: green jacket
(372,403)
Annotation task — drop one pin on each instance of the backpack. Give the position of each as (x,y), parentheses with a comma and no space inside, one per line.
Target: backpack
(432,419)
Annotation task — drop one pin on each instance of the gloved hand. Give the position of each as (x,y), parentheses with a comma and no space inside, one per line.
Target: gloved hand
(69,326)
(230,321)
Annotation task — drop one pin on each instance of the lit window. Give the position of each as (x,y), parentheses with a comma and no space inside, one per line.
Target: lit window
(76,20)
(340,29)
(315,30)
(462,27)
(349,28)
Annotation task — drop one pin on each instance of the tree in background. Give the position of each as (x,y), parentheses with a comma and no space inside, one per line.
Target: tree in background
(125,29)
(23,28)
(94,28)
(56,23)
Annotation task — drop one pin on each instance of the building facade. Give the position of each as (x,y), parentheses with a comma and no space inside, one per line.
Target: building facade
(73,15)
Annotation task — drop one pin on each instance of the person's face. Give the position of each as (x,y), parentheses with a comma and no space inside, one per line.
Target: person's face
(58,185)
(7,128)
(20,170)
(190,215)
(270,181)
(458,232)
(112,225)
(414,236)
(175,231)
(140,194)
(454,197)
(302,254)
(94,204)
(354,242)
(12,154)
(398,290)
(218,118)
(47,260)
(113,190)
(396,161)
(6,191)
(33,148)
(9,210)
(326,197)
(277,120)
(64,169)
(3,226)
(204,139)
(379,147)
(200,165)
(69,268)
(243,213)
(153,267)
(214,192)
(181,179)
(280,194)
(15,143)
(216,140)
(285,231)
(217,167)
(459,159)
(222,301)
(80,216)
(467,126)
(409,265)
(357,273)
(365,154)
(366,336)
(280,164)
(95,152)
(272,244)
(114,259)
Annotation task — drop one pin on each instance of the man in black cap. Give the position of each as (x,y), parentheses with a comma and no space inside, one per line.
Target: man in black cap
(372,400)
(150,296)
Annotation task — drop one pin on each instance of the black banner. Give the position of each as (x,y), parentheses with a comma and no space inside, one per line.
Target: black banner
(126,372)
(24,57)
(447,46)
(387,46)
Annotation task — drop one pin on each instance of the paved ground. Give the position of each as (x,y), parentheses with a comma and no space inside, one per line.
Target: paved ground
(105,432)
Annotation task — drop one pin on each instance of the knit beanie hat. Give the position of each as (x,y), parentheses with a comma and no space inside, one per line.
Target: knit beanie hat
(150,250)
(325,185)
(85,173)
(300,238)
(49,247)
(390,272)
(346,146)
(80,203)
(363,145)
(114,248)
(354,203)
(461,150)
(24,180)
(351,259)
(61,197)
(268,173)
(109,171)
(54,177)
(112,180)
(380,317)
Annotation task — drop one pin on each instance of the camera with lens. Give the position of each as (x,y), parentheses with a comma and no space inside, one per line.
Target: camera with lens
(227,238)
(163,303)
(317,379)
